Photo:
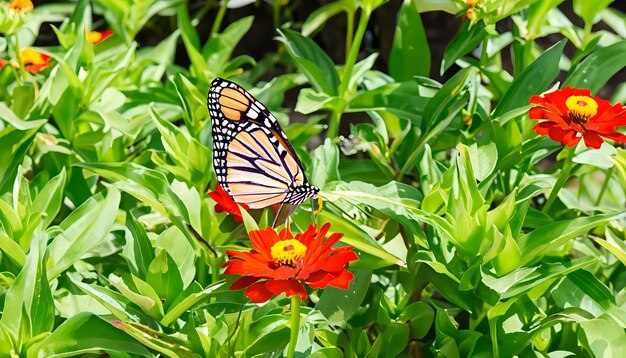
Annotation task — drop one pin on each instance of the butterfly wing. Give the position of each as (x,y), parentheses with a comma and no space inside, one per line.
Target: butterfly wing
(253,160)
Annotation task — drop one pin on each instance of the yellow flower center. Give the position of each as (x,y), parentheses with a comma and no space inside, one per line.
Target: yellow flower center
(581,108)
(286,252)
(21,5)
(31,57)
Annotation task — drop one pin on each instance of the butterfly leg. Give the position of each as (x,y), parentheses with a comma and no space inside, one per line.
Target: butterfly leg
(277,214)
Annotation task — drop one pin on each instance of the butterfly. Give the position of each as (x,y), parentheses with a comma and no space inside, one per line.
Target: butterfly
(253,159)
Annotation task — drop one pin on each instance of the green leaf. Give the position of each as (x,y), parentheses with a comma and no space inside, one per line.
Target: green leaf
(484,159)
(15,144)
(189,302)
(598,68)
(138,250)
(8,116)
(400,98)
(543,239)
(312,61)
(420,317)
(220,47)
(149,186)
(324,164)
(164,277)
(392,342)
(267,334)
(83,334)
(120,306)
(141,295)
(468,37)
(375,255)
(396,200)
(83,230)
(615,250)
(321,15)
(410,54)
(535,79)
(587,10)
(50,198)
(172,241)
(339,305)
(581,289)
(170,346)
(12,249)
(603,338)
(29,298)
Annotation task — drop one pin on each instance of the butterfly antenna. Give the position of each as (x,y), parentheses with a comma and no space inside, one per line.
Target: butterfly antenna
(312,211)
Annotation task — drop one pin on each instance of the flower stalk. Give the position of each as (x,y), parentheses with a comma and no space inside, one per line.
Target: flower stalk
(294,325)
(351,57)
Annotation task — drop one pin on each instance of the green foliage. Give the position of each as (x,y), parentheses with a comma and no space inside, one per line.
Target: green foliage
(109,244)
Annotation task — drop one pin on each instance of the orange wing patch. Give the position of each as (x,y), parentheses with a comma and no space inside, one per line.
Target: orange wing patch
(231,114)
(233,103)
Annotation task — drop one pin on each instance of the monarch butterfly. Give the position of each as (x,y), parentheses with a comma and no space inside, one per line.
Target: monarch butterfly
(254,162)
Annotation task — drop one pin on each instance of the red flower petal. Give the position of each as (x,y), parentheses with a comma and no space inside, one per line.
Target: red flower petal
(243,282)
(224,203)
(614,116)
(289,287)
(618,137)
(343,280)
(321,265)
(571,139)
(593,140)
(257,293)
(557,134)
(338,259)
(320,279)
(568,127)
(263,240)
(248,268)
(543,128)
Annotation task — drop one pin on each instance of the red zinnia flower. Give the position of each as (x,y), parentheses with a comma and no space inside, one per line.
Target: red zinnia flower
(225,204)
(572,114)
(96,37)
(281,263)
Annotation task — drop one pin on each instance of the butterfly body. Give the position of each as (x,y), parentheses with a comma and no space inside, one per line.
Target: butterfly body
(253,160)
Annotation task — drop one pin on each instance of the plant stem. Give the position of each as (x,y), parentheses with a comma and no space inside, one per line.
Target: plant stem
(19,60)
(349,32)
(215,269)
(354,51)
(567,168)
(605,185)
(295,325)
(333,124)
(276,8)
(351,57)
(218,19)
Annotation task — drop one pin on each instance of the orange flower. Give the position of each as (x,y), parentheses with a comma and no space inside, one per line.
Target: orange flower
(96,37)
(34,61)
(280,263)
(470,14)
(21,5)
(225,204)
(571,114)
